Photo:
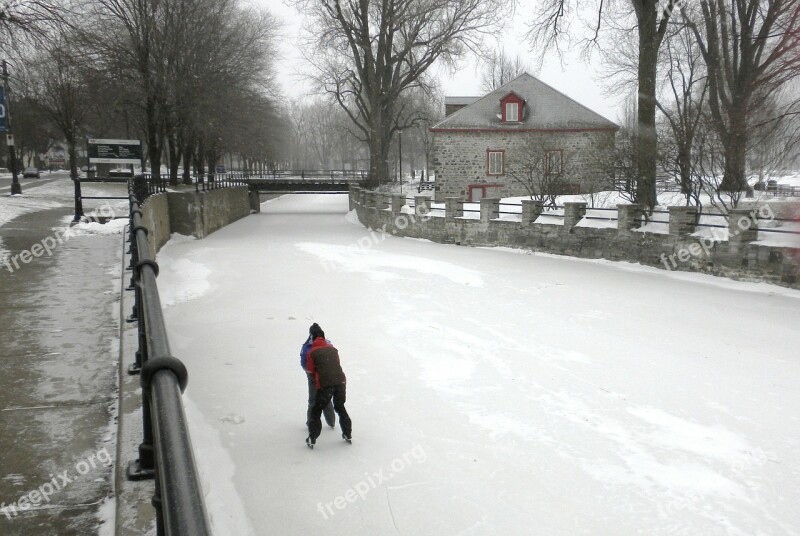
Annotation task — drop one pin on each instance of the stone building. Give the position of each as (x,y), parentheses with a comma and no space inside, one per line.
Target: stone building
(524,135)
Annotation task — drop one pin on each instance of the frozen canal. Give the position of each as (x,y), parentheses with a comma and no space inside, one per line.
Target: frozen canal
(492,392)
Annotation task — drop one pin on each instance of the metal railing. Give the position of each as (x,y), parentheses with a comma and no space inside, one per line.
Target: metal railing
(166,450)
(79,197)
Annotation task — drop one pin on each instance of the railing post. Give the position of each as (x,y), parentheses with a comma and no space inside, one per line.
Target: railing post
(254,198)
(422,205)
(531,210)
(384,201)
(352,197)
(682,220)
(573,213)
(490,209)
(742,226)
(78,200)
(453,208)
(629,217)
(372,199)
(397,202)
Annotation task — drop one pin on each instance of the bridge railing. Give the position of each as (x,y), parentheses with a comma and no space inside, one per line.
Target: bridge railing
(166,450)
(309,178)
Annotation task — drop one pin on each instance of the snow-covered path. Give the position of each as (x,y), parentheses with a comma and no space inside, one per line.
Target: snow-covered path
(492,392)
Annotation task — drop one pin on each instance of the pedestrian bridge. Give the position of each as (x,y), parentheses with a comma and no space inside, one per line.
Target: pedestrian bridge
(283,185)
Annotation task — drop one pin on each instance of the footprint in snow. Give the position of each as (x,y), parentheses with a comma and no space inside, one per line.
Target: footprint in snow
(233,419)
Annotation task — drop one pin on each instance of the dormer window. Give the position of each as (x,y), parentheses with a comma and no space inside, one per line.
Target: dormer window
(512,108)
(512,111)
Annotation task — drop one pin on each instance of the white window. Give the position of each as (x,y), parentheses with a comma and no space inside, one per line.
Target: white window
(512,111)
(495,163)
(553,160)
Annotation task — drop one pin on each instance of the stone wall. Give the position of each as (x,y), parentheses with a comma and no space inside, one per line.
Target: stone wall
(156,217)
(201,213)
(195,214)
(736,258)
(459,159)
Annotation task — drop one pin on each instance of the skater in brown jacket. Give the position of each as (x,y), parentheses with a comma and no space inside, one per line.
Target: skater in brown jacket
(322,361)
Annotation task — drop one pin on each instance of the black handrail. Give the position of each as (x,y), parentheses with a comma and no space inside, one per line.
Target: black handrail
(166,450)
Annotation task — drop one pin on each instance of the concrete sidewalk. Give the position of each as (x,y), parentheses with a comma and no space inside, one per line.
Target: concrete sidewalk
(59,352)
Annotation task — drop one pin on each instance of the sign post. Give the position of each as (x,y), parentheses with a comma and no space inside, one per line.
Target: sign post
(5,126)
(107,152)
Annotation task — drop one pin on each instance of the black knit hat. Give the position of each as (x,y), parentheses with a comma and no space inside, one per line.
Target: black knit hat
(315,331)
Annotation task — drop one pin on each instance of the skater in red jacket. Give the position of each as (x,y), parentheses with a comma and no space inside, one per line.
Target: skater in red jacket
(322,361)
(328,413)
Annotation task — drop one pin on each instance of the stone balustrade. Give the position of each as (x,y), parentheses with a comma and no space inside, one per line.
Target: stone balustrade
(682,220)
(453,208)
(531,210)
(573,213)
(490,209)
(677,249)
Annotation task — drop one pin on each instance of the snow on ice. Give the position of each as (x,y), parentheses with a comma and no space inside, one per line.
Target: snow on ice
(491,392)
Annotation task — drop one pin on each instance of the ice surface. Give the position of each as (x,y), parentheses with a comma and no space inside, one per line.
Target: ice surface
(491,392)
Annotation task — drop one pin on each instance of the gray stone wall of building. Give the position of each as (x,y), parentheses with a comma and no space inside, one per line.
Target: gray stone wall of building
(459,159)
(739,258)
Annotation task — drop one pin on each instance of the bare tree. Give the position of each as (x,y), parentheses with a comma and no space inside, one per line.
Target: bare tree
(709,168)
(191,67)
(369,52)
(652,16)
(541,178)
(775,141)
(61,90)
(321,136)
(28,19)
(750,50)
(682,106)
(500,68)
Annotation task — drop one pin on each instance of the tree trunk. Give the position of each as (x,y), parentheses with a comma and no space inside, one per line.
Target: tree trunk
(735,147)
(685,166)
(174,159)
(645,145)
(198,159)
(73,158)
(155,163)
(211,158)
(188,151)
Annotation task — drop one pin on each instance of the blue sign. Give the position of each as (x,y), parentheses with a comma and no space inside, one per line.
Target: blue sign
(2,109)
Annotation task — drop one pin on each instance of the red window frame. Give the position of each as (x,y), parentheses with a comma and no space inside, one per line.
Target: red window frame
(512,98)
(484,187)
(508,117)
(502,154)
(547,154)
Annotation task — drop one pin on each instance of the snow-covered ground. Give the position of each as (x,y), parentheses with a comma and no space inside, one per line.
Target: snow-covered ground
(59,193)
(492,392)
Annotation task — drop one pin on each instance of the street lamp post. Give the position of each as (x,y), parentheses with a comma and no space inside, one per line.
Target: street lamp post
(16,188)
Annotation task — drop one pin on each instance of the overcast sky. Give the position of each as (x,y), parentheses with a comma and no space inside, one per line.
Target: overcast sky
(577,79)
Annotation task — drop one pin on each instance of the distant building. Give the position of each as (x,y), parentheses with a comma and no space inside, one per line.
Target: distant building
(483,145)
(454,104)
